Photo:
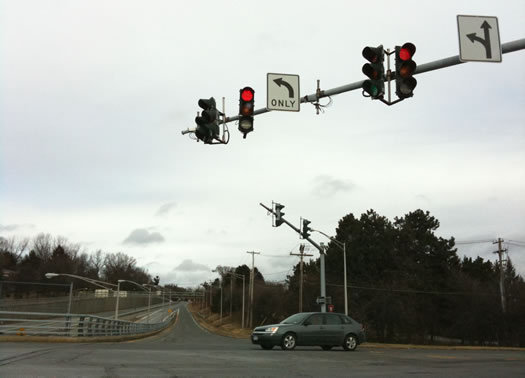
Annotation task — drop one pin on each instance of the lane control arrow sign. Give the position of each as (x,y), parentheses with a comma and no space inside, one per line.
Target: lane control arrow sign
(479,39)
(283,92)
(280,82)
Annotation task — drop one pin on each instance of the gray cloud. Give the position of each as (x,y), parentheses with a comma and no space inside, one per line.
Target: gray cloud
(166,208)
(13,227)
(326,186)
(143,236)
(189,266)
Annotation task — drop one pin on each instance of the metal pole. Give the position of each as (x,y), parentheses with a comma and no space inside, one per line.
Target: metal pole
(70,297)
(301,286)
(323,283)
(437,64)
(243,301)
(118,296)
(231,296)
(346,286)
(149,302)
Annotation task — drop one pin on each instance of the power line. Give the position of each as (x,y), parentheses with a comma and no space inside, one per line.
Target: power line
(474,241)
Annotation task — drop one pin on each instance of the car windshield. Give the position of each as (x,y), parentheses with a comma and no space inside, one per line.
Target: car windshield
(294,319)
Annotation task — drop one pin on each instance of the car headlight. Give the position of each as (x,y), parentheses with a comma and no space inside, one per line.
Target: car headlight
(271,330)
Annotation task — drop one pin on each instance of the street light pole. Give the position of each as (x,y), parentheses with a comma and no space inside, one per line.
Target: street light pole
(118,297)
(243,295)
(343,247)
(70,297)
(142,287)
(221,304)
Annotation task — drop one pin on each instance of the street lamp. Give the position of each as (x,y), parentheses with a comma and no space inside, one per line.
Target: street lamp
(136,284)
(89,280)
(220,281)
(343,247)
(243,279)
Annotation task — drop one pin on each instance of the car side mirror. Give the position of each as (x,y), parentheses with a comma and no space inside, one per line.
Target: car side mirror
(307,323)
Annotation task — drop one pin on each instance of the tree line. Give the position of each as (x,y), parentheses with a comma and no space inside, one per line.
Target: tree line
(405,284)
(28,260)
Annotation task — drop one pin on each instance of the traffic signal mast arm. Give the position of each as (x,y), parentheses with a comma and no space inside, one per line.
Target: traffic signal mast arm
(421,68)
(321,250)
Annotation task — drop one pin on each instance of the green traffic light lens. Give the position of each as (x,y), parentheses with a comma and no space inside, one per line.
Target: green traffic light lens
(370,88)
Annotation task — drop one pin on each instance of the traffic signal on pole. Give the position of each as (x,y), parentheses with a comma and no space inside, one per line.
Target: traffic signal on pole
(405,69)
(279,214)
(375,70)
(208,122)
(305,233)
(246,107)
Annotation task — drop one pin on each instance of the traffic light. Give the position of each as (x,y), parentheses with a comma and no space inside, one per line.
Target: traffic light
(279,214)
(375,70)
(305,233)
(246,107)
(208,122)
(405,68)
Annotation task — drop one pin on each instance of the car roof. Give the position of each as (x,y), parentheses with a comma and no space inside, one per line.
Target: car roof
(318,312)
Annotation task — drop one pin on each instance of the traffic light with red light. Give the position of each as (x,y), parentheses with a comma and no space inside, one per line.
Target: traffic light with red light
(405,69)
(246,108)
(208,122)
(375,70)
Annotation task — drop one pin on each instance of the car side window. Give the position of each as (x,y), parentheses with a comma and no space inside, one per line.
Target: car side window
(315,320)
(332,319)
(346,320)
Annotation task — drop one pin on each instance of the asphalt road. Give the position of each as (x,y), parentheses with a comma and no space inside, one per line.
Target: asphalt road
(188,350)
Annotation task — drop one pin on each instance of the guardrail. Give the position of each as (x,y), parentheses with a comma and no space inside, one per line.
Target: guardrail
(72,325)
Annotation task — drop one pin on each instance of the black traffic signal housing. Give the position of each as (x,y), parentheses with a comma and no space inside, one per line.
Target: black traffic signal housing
(405,69)
(305,232)
(375,71)
(208,122)
(246,108)
(279,214)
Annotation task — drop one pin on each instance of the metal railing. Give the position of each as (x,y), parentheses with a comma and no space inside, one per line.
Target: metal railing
(73,325)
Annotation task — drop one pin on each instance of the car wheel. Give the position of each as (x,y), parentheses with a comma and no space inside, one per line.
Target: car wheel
(350,342)
(267,346)
(288,341)
(326,347)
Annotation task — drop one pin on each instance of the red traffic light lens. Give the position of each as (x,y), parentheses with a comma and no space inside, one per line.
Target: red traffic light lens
(247,94)
(407,51)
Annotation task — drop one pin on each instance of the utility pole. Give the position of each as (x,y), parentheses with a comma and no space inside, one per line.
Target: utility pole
(231,296)
(301,254)
(252,282)
(500,252)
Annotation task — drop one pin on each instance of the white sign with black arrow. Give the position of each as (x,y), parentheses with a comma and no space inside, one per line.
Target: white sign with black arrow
(479,39)
(283,92)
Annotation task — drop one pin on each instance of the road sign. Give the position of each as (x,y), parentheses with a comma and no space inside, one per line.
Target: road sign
(479,39)
(320,300)
(283,92)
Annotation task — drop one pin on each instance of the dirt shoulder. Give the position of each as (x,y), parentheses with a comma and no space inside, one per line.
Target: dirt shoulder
(211,322)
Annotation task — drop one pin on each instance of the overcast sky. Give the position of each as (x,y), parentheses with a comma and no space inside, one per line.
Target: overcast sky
(95,94)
